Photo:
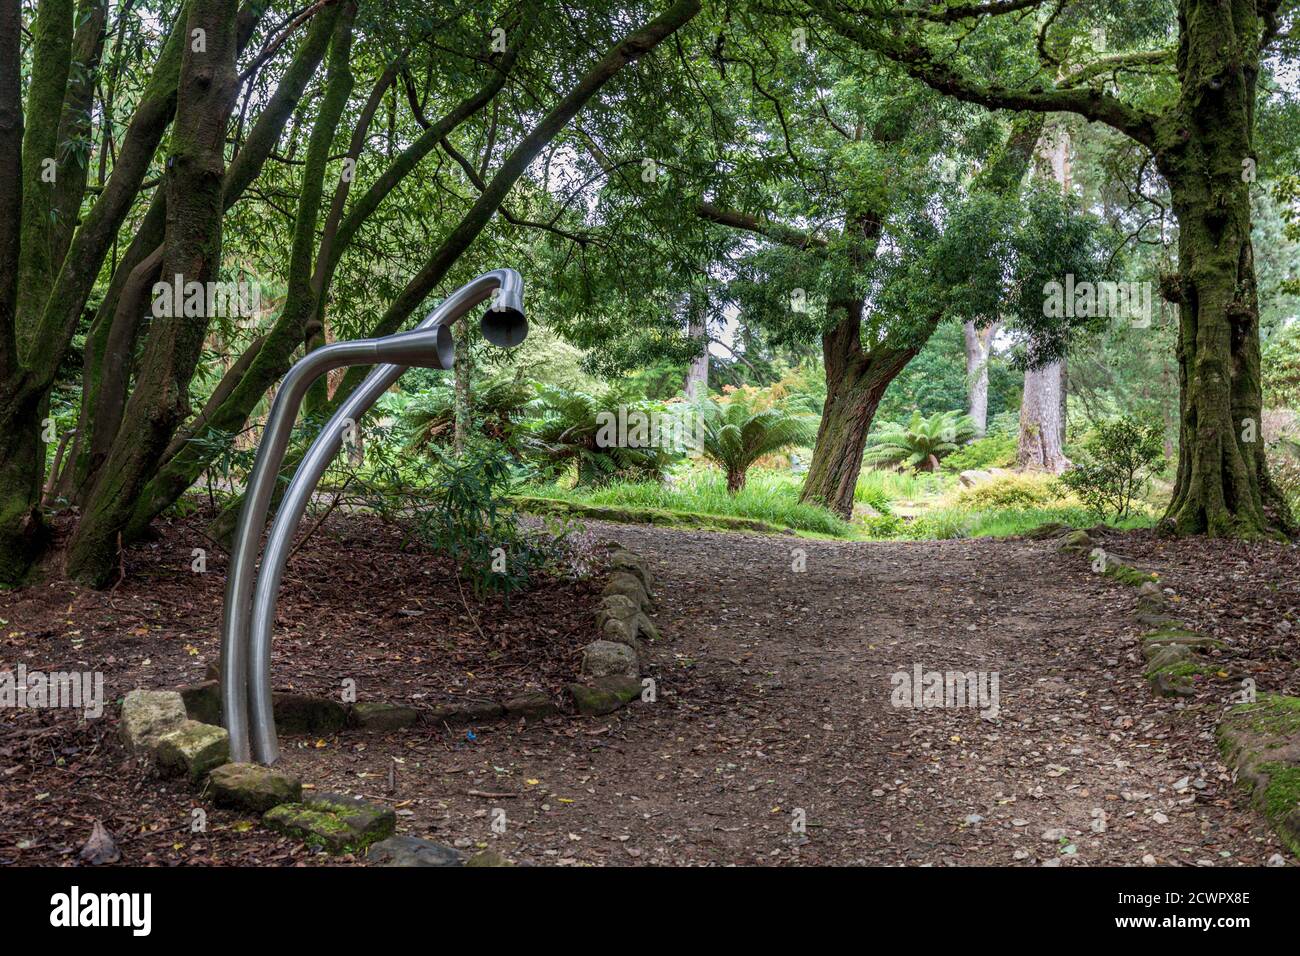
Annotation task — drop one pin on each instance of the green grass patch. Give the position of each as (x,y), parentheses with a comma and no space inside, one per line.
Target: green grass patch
(955,521)
(879,487)
(768,496)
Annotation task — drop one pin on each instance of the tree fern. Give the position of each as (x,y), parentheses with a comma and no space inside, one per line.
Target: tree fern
(921,443)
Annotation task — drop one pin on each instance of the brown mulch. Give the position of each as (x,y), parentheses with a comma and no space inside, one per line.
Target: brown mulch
(774,704)
(357,602)
(1245,593)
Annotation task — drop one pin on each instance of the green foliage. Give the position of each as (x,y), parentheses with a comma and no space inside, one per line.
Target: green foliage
(1284,470)
(878,487)
(991,451)
(464,519)
(922,442)
(935,380)
(735,435)
(959,522)
(568,431)
(1115,463)
(1280,365)
(1013,491)
(498,405)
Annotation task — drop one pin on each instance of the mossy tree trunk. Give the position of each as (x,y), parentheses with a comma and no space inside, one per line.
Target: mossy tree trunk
(195,170)
(1205,149)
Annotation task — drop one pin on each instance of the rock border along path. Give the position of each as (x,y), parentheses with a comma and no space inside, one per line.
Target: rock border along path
(1259,737)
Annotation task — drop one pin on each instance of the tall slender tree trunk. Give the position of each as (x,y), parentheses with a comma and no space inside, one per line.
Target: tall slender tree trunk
(697,330)
(979,346)
(22,459)
(1042,407)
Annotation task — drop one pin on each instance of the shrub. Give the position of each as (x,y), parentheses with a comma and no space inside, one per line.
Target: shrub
(1284,470)
(498,404)
(1012,492)
(883,526)
(992,451)
(922,442)
(1115,463)
(464,519)
(569,431)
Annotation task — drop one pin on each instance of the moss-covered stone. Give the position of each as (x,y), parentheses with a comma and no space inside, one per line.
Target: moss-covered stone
(1280,801)
(412,851)
(488,858)
(467,712)
(1270,714)
(1261,742)
(304,714)
(379,716)
(533,704)
(1173,634)
(628,585)
(1167,684)
(1166,656)
(623,560)
(193,751)
(333,822)
(250,786)
(1053,529)
(1075,541)
(1127,574)
(609,659)
(604,695)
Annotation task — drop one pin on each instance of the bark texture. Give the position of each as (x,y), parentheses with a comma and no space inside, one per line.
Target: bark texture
(195,170)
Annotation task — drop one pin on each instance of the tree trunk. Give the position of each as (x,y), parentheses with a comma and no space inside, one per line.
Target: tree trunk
(697,330)
(51,61)
(979,345)
(1042,418)
(195,171)
(121,314)
(1040,422)
(1223,487)
(855,383)
(22,459)
(735,481)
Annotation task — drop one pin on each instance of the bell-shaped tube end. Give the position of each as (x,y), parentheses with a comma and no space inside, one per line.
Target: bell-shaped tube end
(504,323)
(422,348)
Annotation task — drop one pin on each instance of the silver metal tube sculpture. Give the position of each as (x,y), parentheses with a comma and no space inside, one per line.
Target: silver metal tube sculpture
(249,614)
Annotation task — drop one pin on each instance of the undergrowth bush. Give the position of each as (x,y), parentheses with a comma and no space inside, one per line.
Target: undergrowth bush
(1014,491)
(1115,463)
(464,519)
(992,451)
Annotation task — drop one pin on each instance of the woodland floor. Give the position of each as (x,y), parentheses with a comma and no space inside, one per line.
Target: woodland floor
(774,695)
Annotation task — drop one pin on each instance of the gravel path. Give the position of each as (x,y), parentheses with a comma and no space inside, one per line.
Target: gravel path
(774,709)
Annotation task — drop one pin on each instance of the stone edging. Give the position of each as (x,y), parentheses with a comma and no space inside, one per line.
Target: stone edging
(177,731)
(1259,739)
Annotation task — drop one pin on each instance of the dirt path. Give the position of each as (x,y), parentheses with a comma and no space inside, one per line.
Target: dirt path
(774,697)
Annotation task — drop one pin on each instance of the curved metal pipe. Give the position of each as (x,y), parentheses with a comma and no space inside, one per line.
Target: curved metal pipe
(503,324)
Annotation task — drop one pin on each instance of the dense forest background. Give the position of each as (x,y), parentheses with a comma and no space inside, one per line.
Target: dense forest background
(813,235)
